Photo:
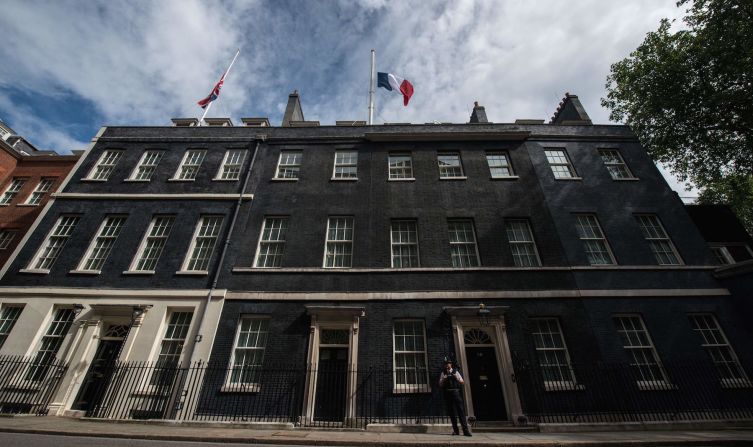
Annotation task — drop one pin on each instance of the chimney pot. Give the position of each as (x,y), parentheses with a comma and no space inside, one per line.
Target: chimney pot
(475,103)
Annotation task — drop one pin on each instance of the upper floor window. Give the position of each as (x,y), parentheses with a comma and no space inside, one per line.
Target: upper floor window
(715,342)
(6,237)
(731,253)
(522,245)
(147,165)
(12,190)
(50,344)
(105,165)
(171,347)
(463,249)
(410,371)
(54,243)
(346,165)
(594,242)
(400,166)
(271,242)
(152,244)
(44,186)
(101,246)
(202,245)
(189,166)
(404,243)
(8,316)
(499,165)
(338,247)
(661,245)
(450,165)
(560,163)
(615,164)
(231,165)
(289,164)
(248,350)
(551,350)
(648,370)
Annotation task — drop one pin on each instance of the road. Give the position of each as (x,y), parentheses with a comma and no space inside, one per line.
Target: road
(31,440)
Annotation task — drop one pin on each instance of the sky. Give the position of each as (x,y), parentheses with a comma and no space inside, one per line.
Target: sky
(70,67)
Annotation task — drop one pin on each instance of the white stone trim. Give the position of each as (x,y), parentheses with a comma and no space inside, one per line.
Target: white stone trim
(480,269)
(63,292)
(177,196)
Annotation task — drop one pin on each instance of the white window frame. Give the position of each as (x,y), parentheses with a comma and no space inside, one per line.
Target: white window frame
(147,238)
(661,236)
(281,232)
(152,165)
(402,243)
(34,265)
(7,236)
(733,363)
(194,239)
(444,169)
(568,163)
(516,243)
(12,190)
(296,166)
(398,388)
(343,242)
(43,187)
(398,173)
(618,165)
(183,167)
(101,238)
(722,254)
(103,169)
(241,386)
(597,237)
(454,255)
(159,354)
(507,164)
(228,163)
(55,333)
(652,384)
(342,163)
(555,385)
(9,315)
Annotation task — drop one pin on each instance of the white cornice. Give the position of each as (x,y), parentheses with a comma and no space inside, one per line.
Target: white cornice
(107,293)
(179,196)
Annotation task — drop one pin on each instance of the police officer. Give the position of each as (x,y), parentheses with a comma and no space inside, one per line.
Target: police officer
(450,381)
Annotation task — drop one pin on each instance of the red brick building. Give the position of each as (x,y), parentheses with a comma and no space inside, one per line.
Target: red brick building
(27,178)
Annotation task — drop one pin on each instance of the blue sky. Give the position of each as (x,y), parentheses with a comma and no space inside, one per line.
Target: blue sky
(70,67)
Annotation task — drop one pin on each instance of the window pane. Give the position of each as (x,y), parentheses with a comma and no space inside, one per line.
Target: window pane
(401,166)
(449,165)
(463,250)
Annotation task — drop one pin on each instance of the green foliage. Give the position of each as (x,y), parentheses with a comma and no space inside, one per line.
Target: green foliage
(736,191)
(688,95)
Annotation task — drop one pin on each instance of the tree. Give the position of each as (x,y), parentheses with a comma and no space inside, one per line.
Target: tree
(688,96)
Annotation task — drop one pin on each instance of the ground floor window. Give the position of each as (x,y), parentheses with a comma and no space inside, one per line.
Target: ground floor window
(410,371)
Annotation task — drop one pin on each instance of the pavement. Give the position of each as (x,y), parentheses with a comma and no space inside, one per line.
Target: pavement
(61,426)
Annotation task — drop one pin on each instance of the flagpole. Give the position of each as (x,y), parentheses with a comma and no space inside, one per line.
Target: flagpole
(223,77)
(371,87)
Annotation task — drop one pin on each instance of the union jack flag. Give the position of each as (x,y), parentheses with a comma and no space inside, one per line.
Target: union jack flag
(214,95)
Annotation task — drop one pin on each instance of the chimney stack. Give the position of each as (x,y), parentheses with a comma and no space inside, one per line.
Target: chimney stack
(479,114)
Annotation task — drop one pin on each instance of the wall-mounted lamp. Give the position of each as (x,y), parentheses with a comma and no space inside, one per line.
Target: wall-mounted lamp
(483,314)
(138,311)
(77,308)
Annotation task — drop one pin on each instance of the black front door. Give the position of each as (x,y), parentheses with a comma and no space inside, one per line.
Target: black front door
(98,377)
(486,388)
(331,384)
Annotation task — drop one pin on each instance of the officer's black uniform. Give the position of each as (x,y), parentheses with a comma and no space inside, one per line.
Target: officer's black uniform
(450,384)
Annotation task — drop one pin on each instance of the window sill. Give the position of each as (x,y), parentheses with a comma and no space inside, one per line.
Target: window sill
(453,178)
(655,386)
(192,272)
(241,388)
(507,177)
(631,179)
(181,180)
(35,271)
(349,179)
(407,179)
(85,272)
(562,386)
(4,204)
(225,179)
(27,204)
(93,180)
(275,179)
(134,180)
(736,383)
(425,389)
(577,179)
(138,272)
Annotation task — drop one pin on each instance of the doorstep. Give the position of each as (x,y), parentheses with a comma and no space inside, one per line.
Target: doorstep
(646,426)
(208,424)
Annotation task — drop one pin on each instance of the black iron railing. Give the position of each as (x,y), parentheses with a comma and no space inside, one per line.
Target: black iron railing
(27,384)
(610,392)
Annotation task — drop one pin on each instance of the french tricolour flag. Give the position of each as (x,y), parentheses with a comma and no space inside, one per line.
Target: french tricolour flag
(214,95)
(396,84)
